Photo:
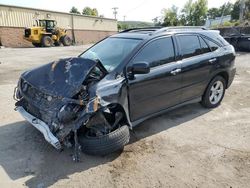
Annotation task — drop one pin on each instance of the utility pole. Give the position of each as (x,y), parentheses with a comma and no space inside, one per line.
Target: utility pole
(242,8)
(115,11)
(223,11)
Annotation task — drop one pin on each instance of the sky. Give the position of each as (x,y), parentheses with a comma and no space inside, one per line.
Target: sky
(136,10)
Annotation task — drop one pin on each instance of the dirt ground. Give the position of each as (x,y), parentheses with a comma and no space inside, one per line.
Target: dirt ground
(188,147)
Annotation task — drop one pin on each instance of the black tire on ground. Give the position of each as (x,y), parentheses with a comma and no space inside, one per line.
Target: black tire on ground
(47,41)
(206,101)
(58,43)
(66,40)
(36,44)
(105,144)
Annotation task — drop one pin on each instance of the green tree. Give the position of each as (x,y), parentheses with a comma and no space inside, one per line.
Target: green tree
(74,10)
(94,12)
(194,13)
(224,10)
(186,13)
(213,13)
(236,10)
(122,26)
(170,16)
(156,21)
(199,12)
(89,11)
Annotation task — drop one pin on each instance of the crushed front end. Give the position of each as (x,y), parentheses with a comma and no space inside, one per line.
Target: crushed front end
(55,98)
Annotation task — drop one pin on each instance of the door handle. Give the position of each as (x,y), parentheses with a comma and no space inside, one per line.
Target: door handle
(212,60)
(175,71)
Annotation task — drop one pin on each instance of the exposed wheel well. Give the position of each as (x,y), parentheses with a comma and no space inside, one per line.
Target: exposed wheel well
(118,108)
(224,75)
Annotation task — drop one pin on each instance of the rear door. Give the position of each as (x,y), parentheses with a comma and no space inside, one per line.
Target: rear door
(160,88)
(196,65)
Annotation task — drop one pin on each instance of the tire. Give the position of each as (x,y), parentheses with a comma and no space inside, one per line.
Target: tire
(36,44)
(58,43)
(47,41)
(212,96)
(66,40)
(105,144)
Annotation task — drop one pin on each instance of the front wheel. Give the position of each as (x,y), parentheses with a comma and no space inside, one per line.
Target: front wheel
(214,93)
(47,41)
(105,144)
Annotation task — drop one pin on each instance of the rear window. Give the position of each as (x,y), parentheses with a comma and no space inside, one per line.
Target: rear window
(213,46)
(221,40)
(216,37)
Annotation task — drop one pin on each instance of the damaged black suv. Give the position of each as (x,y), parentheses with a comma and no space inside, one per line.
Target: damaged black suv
(91,101)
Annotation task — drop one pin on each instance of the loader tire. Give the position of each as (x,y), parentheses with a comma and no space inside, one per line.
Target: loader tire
(66,40)
(47,41)
(58,43)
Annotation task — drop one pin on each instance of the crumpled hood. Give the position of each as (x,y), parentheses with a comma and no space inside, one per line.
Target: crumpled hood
(60,78)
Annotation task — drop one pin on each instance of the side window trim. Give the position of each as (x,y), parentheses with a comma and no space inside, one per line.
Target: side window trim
(201,38)
(149,42)
(205,38)
(208,38)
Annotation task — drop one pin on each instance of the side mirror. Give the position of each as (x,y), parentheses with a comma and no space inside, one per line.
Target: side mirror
(138,68)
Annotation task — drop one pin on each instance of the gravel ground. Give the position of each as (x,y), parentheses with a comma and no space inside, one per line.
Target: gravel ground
(188,147)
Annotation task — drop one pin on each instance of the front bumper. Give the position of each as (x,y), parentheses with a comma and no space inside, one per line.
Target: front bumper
(41,126)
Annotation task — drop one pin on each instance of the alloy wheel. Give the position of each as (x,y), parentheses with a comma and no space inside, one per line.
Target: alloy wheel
(216,92)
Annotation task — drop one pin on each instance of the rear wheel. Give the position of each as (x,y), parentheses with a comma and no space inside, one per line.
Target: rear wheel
(47,41)
(66,40)
(105,144)
(214,93)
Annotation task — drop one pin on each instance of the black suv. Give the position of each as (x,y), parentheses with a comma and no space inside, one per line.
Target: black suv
(92,100)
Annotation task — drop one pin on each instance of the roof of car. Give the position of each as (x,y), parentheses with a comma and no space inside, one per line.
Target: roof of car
(143,33)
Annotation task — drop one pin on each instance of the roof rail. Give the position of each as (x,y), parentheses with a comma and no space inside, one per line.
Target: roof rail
(181,28)
(142,29)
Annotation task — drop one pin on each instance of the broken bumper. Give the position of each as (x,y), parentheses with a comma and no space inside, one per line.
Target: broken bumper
(41,126)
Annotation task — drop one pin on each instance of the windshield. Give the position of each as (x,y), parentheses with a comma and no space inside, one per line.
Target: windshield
(111,51)
(42,23)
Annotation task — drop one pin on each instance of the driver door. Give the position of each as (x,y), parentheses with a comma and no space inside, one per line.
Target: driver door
(160,88)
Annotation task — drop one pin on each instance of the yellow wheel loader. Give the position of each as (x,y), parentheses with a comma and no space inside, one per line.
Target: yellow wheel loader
(46,34)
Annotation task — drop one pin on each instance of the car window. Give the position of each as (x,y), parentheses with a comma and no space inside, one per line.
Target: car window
(221,40)
(158,52)
(190,45)
(213,46)
(204,47)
